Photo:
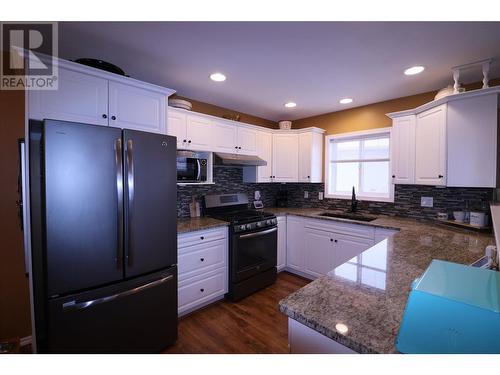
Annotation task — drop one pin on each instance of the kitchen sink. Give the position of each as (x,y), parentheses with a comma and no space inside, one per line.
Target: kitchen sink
(347,215)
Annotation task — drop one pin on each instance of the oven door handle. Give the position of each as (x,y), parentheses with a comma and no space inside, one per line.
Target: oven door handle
(258,234)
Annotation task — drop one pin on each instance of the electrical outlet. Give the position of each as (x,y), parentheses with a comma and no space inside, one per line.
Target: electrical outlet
(306,194)
(320,195)
(426,201)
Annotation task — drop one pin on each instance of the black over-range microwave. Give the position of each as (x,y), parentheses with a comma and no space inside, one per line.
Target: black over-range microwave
(191,167)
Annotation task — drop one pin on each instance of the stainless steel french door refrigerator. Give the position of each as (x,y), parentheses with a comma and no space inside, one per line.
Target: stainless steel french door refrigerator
(104,238)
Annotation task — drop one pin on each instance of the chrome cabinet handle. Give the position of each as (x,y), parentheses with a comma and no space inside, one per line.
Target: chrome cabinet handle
(72,305)
(119,201)
(130,185)
(257,234)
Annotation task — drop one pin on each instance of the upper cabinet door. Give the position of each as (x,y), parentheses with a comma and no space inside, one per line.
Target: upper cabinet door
(265,152)
(403,150)
(136,108)
(285,157)
(225,136)
(430,147)
(247,141)
(305,151)
(199,133)
(176,126)
(80,98)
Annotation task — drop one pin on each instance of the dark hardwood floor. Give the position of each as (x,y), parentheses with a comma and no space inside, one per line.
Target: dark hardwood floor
(252,325)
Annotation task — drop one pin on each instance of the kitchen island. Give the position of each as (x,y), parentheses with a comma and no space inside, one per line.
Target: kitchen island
(360,303)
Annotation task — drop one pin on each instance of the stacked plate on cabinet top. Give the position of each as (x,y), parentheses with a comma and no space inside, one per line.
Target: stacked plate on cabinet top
(180,103)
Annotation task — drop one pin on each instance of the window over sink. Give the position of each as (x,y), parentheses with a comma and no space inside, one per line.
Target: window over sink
(360,160)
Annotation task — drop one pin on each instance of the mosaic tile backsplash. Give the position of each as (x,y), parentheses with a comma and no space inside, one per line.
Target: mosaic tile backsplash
(406,201)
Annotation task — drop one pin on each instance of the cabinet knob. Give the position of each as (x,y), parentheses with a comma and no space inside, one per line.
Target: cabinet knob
(308,176)
(440,176)
(331,239)
(202,290)
(393,176)
(336,241)
(104,115)
(202,238)
(202,259)
(184,140)
(189,141)
(239,147)
(113,117)
(236,147)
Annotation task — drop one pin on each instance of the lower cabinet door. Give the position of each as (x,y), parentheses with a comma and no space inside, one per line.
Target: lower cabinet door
(319,252)
(198,290)
(347,247)
(295,243)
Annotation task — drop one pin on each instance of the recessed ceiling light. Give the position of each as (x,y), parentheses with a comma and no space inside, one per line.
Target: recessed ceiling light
(290,105)
(345,100)
(217,77)
(414,70)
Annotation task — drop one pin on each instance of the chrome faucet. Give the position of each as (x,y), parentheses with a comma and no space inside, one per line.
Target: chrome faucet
(354,202)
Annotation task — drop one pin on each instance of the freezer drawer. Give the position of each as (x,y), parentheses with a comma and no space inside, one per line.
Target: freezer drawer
(137,316)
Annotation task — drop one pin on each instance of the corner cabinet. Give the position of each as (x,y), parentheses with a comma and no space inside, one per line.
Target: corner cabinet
(285,157)
(95,97)
(451,141)
(430,147)
(311,156)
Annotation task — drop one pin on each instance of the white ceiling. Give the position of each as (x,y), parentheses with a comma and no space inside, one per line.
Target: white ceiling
(267,64)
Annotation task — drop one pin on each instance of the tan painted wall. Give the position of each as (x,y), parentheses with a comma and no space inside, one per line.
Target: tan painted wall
(14,288)
(214,110)
(369,116)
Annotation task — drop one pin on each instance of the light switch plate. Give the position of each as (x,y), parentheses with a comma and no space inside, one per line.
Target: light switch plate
(320,195)
(306,194)
(426,201)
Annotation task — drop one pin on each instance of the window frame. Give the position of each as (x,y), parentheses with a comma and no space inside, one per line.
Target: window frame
(357,135)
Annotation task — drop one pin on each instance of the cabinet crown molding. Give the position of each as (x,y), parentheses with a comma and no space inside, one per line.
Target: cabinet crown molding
(446,99)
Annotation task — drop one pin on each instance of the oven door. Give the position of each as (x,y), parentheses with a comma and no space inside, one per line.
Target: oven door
(188,169)
(253,253)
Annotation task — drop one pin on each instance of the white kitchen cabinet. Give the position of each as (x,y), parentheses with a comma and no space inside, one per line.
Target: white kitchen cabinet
(472,142)
(403,150)
(285,157)
(295,243)
(199,133)
(247,140)
(281,262)
(90,96)
(430,147)
(310,157)
(136,108)
(264,144)
(80,98)
(203,270)
(319,252)
(225,137)
(176,126)
(347,247)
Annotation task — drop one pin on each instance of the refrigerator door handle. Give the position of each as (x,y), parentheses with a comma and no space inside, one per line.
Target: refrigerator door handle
(130,186)
(119,201)
(73,305)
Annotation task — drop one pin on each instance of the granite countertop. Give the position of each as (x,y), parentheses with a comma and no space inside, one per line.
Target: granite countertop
(369,296)
(198,223)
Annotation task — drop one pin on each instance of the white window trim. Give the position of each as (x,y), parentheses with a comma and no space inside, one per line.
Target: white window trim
(356,134)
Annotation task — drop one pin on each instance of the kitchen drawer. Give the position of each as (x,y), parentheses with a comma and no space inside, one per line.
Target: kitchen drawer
(358,230)
(198,290)
(201,236)
(196,259)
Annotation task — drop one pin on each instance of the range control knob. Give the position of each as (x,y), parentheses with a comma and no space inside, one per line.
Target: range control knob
(260,223)
(249,226)
(268,222)
(242,227)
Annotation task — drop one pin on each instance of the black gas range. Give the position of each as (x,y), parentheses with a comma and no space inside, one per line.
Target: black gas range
(253,243)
